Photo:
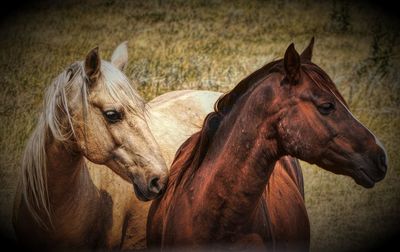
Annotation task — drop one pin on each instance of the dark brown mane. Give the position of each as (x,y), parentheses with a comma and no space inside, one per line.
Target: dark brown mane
(225,103)
(192,152)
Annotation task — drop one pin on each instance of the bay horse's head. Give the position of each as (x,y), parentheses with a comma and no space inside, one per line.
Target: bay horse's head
(107,122)
(315,124)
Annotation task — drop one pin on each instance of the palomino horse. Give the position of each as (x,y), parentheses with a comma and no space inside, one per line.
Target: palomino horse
(215,196)
(92,120)
(67,196)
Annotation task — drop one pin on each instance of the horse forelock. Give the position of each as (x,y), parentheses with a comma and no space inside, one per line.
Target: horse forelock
(55,121)
(120,88)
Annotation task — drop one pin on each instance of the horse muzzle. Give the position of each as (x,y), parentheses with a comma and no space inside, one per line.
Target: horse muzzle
(372,169)
(151,190)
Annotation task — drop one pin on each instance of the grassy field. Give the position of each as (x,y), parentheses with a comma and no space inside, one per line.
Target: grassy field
(213,45)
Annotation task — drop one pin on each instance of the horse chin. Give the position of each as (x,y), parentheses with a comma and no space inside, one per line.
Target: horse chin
(363,179)
(355,172)
(359,176)
(139,194)
(144,196)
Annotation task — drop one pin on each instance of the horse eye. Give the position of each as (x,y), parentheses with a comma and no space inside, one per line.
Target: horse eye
(112,116)
(326,108)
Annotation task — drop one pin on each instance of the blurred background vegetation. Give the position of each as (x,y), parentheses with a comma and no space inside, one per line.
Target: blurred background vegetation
(213,45)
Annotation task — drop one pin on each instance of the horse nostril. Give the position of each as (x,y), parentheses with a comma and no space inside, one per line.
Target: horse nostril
(382,160)
(154,185)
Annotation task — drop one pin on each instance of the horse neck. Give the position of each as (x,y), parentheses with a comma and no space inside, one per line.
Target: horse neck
(237,167)
(66,173)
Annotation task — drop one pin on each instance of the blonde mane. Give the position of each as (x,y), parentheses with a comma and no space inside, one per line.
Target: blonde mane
(55,122)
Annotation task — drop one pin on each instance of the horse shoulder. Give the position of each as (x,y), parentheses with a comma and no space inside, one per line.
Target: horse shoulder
(134,226)
(289,218)
(119,207)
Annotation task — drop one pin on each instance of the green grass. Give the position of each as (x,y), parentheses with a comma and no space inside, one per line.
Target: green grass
(213,45)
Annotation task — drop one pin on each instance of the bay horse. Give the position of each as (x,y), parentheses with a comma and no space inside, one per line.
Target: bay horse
(93,126)
(216,197)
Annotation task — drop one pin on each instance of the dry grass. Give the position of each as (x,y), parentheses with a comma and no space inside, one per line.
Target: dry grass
(213,45)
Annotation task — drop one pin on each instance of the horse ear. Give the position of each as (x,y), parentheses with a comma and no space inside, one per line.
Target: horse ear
(291,63)
(119,57)
(92,65)
(306,55)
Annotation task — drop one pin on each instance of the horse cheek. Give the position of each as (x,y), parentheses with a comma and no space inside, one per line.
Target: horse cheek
(97,145)
(290,135)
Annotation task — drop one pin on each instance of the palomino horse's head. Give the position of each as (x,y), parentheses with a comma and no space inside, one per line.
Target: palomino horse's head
(107,122)
(311,120)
